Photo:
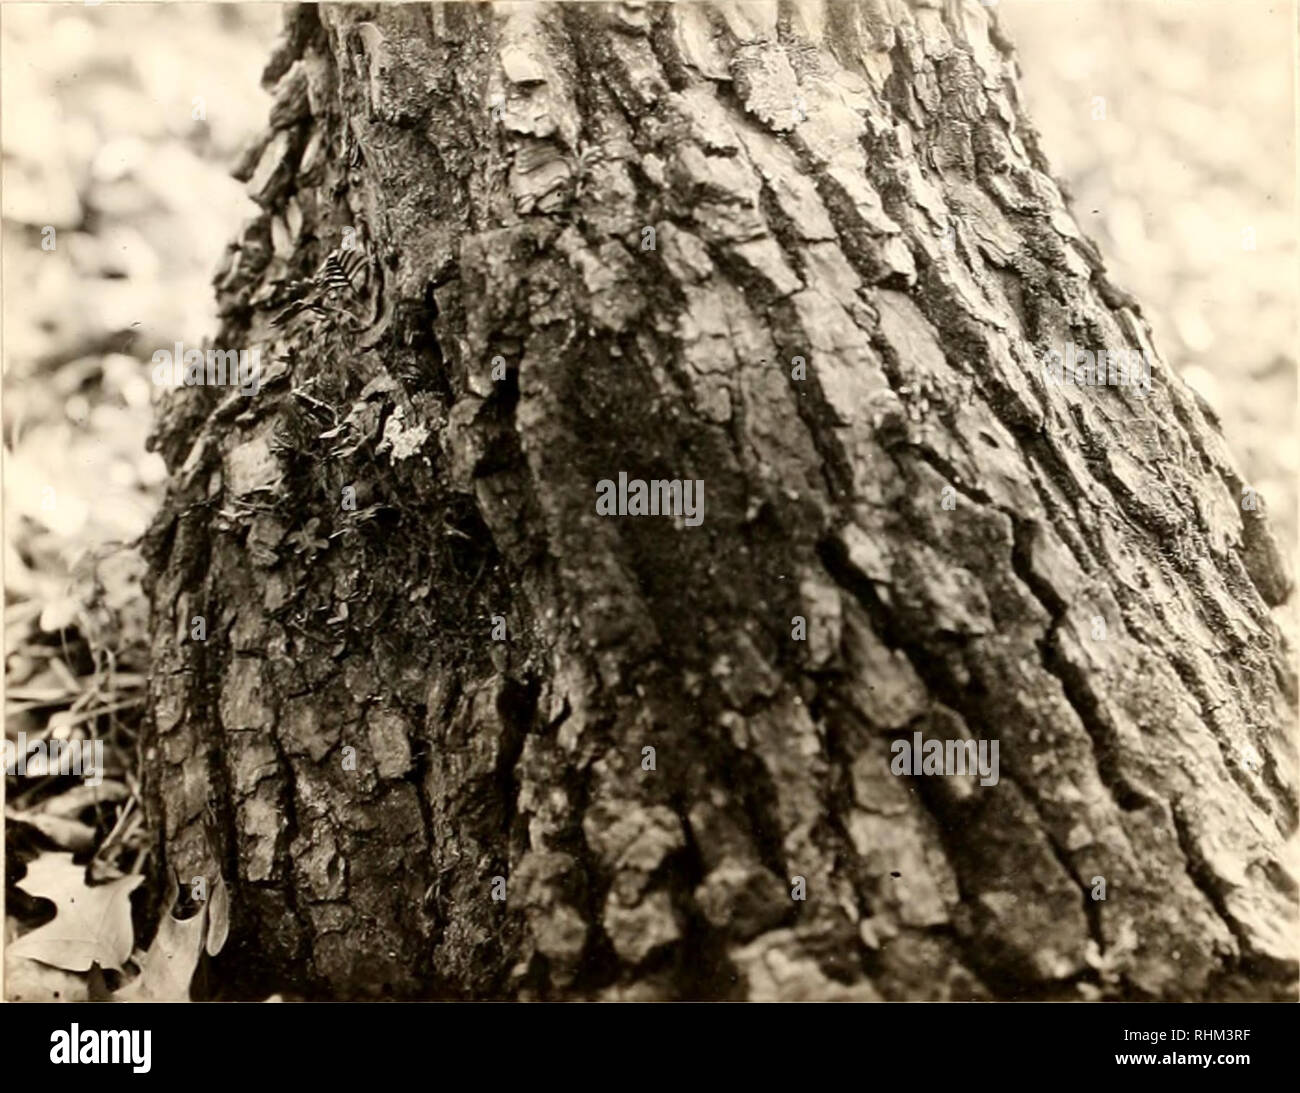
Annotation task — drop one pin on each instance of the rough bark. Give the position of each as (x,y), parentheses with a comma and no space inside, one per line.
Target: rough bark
(800,163)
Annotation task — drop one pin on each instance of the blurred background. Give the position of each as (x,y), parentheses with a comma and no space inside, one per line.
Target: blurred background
(1188,187)
(120,124)
(1171,123)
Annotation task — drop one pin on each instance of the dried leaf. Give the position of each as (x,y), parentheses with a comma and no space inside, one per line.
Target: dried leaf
(72,802)
(59,614)
(31,981)
(168,966)
(218,916)
(92,925)
(69,834)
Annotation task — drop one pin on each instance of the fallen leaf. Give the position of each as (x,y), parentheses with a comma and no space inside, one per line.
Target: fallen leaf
(91,925)
(168,966)
(31,981)
(69,834)
(59,614)
(75,800)
(218,916)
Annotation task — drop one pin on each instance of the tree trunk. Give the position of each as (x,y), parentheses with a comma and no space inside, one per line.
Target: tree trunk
(858,258)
